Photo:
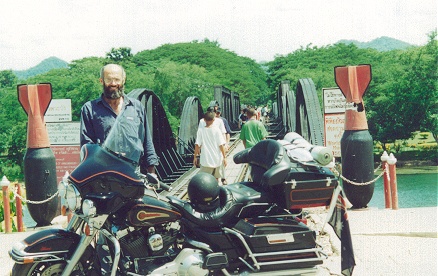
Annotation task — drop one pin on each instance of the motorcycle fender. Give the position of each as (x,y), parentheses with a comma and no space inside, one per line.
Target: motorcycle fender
(43,244)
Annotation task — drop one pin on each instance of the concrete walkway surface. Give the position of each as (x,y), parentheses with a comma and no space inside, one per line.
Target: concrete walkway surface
(394,242)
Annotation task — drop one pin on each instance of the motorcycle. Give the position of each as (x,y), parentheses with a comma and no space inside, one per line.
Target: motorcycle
(121,225)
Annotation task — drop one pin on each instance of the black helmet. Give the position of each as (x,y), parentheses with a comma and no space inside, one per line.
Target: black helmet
(203,191)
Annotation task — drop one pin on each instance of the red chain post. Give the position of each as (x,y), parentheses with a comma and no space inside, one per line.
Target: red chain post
(386,186)
(393,181)
(19,207)
(6,207)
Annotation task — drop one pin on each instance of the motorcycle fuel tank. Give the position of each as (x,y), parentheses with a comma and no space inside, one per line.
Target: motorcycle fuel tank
(151,212)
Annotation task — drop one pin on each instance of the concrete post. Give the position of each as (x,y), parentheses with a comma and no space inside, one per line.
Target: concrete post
(393,181)
(386,186)
(6,208)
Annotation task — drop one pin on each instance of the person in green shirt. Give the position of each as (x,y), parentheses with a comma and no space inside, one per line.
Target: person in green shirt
(253,131)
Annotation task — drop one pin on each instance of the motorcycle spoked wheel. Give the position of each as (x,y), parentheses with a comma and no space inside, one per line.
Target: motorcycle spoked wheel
(56,268)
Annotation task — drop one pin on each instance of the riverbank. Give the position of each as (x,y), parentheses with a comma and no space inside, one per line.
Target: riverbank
(408,169)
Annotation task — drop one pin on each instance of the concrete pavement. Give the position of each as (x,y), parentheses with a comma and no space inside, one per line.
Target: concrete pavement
(394,242)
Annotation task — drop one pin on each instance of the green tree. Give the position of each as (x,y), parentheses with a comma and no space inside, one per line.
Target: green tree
(119,54)
(407,100)
(222,67)
(7,79)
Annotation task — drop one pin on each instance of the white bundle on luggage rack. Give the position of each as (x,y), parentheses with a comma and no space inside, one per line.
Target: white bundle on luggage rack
(301,151)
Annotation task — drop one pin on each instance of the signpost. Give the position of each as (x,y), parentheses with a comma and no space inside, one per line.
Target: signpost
(334,118)
(63,136)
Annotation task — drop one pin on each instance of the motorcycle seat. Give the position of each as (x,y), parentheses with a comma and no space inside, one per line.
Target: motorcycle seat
(225,213)
(270,165)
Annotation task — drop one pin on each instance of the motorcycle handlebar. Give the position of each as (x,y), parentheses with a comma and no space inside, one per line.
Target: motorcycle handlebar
(165,186)
(152,180)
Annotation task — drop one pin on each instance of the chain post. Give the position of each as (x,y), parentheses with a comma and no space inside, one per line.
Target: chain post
(386,186)
(19,207)
(6,207)
(393,181)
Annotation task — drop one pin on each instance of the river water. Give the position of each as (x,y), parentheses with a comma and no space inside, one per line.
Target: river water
(414,190)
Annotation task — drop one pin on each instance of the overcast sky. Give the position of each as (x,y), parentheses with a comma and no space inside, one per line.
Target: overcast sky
(33,30)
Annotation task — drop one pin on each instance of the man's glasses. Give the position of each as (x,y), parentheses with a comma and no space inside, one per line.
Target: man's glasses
(115,80)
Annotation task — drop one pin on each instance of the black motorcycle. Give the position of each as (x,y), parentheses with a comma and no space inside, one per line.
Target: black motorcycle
(122,226)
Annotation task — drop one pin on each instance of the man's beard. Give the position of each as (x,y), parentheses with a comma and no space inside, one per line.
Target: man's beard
(111,92)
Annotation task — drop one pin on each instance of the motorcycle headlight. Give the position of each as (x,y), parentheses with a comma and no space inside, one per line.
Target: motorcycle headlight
(88,208)
(73,198)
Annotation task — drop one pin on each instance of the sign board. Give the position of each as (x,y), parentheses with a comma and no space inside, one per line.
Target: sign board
(59,110)
(67,159)
(66,133)
(334,100)
(334,118)
(334,129)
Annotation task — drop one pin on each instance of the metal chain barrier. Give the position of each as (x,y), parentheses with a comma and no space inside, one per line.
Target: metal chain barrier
(386,169)
(14,190)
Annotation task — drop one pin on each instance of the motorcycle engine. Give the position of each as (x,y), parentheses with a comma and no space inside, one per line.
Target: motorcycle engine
(188,262)
(143,243)
(146,249)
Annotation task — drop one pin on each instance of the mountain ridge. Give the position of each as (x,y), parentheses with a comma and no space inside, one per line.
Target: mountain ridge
(383,43)
(44,66)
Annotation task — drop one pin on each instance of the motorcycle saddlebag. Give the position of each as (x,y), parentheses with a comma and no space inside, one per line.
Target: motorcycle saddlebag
(306,186)
(283,243)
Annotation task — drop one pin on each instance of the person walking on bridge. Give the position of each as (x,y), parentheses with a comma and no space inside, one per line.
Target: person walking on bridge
(253,131)
(210,146)
(227,141)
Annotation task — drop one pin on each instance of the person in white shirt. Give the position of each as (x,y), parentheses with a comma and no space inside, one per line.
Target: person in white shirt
(210,146)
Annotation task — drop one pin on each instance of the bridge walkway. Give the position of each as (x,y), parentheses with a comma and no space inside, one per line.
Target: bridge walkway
(233,172)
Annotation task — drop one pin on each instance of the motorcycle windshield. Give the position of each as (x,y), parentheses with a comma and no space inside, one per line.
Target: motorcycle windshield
(124,139)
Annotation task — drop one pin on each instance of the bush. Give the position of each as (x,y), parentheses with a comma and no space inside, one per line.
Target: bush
(12,171)
(420,154)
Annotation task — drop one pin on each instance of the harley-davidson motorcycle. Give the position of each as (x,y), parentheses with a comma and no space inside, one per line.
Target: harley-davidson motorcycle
(123,226)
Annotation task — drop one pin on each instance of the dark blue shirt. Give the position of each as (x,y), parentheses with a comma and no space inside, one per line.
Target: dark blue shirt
(227,125)
(97,118)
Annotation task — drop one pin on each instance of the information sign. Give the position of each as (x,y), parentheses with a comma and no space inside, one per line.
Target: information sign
(59,110)
(67,159)
(66,133)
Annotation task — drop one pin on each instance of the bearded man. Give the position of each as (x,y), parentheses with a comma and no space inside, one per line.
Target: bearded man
(97,116)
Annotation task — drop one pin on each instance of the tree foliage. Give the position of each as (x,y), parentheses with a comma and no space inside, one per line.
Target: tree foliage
(119,54)
(7,79)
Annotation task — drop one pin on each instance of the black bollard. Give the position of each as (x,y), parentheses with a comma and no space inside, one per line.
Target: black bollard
(356,142)
(39,160)
(357,166)
(40,181)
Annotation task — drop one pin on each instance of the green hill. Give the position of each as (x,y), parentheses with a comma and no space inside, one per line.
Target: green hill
(381,44)
(43,67)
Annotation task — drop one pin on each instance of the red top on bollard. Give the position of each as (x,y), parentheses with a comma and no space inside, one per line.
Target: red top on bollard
(35,100)
(353,82)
